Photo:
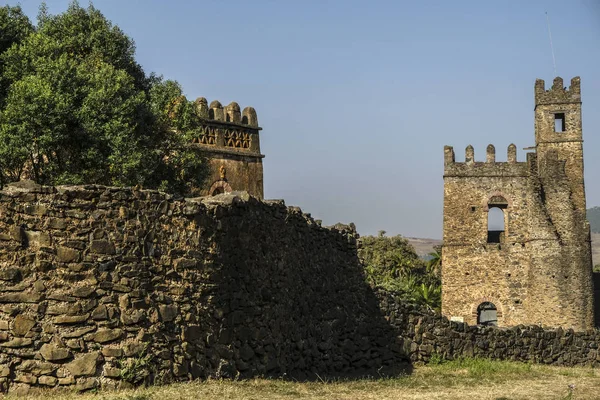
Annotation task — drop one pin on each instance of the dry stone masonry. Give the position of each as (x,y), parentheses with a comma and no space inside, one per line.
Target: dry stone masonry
(536,268)
(424,335)
(108,286)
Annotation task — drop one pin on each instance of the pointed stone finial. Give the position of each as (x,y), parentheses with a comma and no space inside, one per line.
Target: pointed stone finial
(512,153)
(469,155)
(490,154)
(558,83)
(448,155)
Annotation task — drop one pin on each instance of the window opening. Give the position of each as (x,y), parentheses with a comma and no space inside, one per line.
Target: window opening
(487,314)
(495,225)
(559,122)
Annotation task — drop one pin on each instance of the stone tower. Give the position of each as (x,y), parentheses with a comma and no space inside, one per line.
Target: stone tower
(230,140)
(534,265)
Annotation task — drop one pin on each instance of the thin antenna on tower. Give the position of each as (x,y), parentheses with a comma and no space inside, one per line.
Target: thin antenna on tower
(551,46)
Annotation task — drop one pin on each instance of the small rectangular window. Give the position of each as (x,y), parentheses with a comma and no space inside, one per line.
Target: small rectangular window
(559,122)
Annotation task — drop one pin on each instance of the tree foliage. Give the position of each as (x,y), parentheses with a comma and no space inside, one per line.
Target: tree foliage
(78,108)
(392,264)
(14,27)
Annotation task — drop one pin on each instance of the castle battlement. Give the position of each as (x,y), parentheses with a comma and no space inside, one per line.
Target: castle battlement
(489,167)
(516,242)
(230,139)
(557,94)
(228,114)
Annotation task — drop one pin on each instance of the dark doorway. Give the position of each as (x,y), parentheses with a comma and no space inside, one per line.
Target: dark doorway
(487,314)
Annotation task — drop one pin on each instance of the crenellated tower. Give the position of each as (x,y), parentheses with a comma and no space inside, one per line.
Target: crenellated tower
(558,130)
(516,242)
(230,140)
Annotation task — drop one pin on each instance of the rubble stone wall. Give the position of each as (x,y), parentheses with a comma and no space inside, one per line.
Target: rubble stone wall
(424,334)
(104,287)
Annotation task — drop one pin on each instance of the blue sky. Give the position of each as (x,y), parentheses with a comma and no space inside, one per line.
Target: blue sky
(357,98)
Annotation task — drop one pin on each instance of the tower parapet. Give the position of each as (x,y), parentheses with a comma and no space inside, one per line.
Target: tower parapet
(558,94)
(489,167)
(230,139)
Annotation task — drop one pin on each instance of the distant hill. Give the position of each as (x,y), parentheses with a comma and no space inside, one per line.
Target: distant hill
(593,215)
(423,246)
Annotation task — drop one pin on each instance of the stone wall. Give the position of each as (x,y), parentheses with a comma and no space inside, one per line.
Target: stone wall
(424,334)
(103,287)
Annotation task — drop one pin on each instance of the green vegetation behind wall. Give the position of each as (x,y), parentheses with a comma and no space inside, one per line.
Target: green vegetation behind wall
(391,263)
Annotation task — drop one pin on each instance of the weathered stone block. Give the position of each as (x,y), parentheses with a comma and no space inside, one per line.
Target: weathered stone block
(17,343)
(84,365)
(47,380)
(22,324)
(84,291)
(26,378)
(102,247)
(21,297)
(168,312)
(111,372)
(107,335)
(112,352)
(52,353)
(70,319)
(79,332)
(84,384)
(37,368)
(69,380)
(134,349)
(100,313)
(67,255)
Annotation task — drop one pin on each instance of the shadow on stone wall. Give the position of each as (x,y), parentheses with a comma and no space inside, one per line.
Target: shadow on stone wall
(109,287)
(289,298)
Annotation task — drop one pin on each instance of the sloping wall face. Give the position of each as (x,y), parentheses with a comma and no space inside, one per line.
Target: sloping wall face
(108,286)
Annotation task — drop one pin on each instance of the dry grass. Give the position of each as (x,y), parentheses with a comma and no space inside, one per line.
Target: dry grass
(468,379)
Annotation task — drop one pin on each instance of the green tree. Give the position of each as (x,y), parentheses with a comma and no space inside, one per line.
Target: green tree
(434,265)
(392,264)
(14,27)
(80,109)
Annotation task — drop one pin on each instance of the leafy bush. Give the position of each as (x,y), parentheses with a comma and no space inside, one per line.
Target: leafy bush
(392,264)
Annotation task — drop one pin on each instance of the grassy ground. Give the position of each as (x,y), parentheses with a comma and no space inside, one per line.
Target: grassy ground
(467,379)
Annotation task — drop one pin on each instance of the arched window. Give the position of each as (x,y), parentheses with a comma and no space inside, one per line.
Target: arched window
(487,314)
(496,219)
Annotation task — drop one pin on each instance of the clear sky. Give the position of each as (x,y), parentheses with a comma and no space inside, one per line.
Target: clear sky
(358,98)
